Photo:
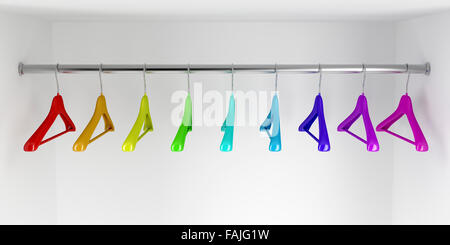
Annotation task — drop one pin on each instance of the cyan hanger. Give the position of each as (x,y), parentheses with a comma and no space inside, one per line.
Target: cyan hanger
(273,120)
(143,121)
(228,124)
(186,123)
(317,112)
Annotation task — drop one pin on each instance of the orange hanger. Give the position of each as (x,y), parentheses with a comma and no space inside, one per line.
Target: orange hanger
(100,111)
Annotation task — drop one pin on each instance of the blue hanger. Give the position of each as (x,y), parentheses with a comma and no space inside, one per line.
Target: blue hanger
(317,112)
(273,121)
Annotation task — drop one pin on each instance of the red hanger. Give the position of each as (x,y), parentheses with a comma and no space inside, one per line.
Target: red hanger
(56,109)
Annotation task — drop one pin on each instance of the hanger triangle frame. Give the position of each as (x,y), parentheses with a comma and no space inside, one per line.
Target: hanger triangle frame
(56,109)
(228,127)
(361,109)
(101,111)
(405,108)
(185,127)
(273,121)
(317,113)
(143,122)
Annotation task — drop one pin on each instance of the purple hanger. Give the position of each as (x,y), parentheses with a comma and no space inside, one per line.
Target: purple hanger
(405,108)
(361,109)
(317,112)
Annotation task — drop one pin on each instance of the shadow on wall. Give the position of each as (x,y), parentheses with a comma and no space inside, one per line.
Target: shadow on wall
(436,132)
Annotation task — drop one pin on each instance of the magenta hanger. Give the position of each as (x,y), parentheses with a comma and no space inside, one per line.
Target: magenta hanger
(405,108)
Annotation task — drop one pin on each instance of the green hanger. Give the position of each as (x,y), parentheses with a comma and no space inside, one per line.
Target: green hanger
(185,127)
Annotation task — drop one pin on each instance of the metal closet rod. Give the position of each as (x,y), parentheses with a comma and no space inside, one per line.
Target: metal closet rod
(194,68)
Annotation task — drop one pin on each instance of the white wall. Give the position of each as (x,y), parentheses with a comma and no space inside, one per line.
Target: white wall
(200,185)
(422,180)
(27,181)
(203,185)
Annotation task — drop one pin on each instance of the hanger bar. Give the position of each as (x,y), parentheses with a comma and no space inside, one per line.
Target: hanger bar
(158,68)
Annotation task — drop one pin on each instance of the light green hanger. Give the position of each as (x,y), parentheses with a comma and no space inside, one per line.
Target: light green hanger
(186,123)
(144,121)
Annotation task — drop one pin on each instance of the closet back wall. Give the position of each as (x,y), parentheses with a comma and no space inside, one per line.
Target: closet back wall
(202,185)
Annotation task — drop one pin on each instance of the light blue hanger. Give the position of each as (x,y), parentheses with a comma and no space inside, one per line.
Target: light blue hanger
(273,121)
(228,124)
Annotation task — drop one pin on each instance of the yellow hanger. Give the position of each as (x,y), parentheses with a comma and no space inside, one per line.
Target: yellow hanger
(144,118)
(100,111)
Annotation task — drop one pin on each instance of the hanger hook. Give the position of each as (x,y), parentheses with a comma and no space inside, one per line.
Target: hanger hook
(407,80)
(276,77)
(364,78)
(144,71)
(320,78)
(100,71)
(189,78)
(232,78)
(56,78)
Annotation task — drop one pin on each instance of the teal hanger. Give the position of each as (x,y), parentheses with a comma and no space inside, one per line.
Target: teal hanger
(273,121)
(228,124)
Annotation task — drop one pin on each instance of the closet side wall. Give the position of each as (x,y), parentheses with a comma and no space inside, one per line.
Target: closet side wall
(421,193)
(27,180)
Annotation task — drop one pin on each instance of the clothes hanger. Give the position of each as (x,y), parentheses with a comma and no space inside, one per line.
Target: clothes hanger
(405,108)
(361,109)
(57,108)
(186,123)
(273,120)
(101,111)
(228,124)
(143,119)
(317,112)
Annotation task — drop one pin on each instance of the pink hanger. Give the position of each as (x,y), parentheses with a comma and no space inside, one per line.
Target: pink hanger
(405,108)
(361,109)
